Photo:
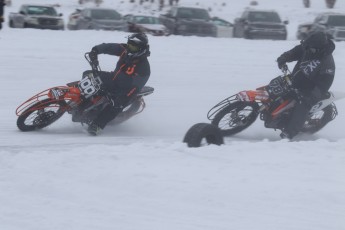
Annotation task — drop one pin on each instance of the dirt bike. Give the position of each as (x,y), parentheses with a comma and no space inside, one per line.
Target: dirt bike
(273,103)
(81,99)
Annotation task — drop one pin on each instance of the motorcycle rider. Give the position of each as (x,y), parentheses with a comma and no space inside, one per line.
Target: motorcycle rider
(129,77)
(312,76)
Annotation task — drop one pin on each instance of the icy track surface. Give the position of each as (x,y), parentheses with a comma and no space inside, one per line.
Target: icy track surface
(139,175)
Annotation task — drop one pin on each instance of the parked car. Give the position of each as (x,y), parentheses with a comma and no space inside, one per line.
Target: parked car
(97,2)
(148,24)
(72,19)
(36,16)
(96,19)
(224,28)
(331,23)
(260,24)
(189,21)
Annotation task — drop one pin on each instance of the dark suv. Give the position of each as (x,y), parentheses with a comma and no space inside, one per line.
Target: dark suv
(331,23)
(260,24)
(189,21)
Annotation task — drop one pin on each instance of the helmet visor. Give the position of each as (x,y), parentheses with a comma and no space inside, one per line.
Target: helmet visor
(132,47)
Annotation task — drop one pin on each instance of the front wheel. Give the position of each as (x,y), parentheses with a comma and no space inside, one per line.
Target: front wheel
(236,117)
(41,114)
(202,134)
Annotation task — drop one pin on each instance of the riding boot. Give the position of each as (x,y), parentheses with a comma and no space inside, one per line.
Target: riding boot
(109,113)
(296,121)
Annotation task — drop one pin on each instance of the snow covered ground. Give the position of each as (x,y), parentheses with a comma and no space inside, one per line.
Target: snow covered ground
(139,175)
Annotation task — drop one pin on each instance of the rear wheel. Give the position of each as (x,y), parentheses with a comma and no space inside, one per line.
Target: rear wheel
(236,117)
(40,115)
(203,134)
(319,120)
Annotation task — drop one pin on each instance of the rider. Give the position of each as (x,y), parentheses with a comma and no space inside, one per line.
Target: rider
(129,77)
(312,76)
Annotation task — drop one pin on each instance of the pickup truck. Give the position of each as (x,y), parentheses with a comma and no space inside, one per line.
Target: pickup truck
(36,16)
(189,21)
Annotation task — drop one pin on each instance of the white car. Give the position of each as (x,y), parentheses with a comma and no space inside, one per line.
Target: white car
(224,28)
(147,24)
(96,19)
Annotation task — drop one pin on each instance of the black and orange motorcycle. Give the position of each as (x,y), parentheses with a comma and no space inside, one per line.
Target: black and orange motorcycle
(273,103)
(82,99)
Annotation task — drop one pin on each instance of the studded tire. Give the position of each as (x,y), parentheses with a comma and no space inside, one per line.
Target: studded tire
(236,117)
(41,115)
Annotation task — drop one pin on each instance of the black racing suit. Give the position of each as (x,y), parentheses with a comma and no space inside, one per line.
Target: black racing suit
(313,76)
(128,78)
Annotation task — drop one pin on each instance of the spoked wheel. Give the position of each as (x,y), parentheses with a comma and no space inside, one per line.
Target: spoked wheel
(203,134)
(236,117)
(319,120)
(41,115)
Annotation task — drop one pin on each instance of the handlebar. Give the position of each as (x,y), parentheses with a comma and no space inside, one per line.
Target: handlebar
(94,66)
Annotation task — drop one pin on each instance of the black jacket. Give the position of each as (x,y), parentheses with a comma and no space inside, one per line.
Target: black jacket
(129,76)
(312,72)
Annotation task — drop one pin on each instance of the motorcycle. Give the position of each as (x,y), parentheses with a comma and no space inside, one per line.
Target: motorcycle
(82,99)
(273,103)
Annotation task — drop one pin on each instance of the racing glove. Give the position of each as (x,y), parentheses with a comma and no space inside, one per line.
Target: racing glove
(281,61)
(94,56)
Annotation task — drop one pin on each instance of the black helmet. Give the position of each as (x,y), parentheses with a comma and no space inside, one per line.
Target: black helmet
(138,45)
(316,43)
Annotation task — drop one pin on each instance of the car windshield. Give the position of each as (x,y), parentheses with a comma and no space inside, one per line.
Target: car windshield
(146,20)
(338,20)
(41,10)
(105,14)
(264,17)
(193,13)
(221,22)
